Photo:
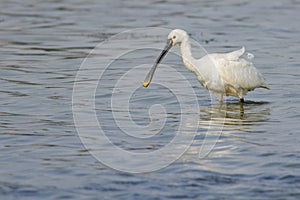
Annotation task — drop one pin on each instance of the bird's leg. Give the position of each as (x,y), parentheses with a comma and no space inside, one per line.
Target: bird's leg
(242,100)
(241,110)
(220,97)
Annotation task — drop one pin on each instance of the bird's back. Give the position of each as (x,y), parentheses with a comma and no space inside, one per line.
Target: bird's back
(237,75)
(238,72)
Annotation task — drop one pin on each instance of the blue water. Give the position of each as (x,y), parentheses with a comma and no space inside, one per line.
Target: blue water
(43,44)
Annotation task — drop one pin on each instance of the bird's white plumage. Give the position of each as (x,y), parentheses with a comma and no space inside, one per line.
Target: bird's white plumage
(223,73)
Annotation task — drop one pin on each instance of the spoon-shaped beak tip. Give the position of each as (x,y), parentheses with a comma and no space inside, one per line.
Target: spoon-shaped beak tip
(145,84)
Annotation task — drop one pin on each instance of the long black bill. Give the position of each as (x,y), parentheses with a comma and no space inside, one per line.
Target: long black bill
(150,74)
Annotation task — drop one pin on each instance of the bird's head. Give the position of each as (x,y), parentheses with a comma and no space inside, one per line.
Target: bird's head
(177,36)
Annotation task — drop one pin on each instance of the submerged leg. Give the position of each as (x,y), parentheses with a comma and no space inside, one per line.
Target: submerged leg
(220,97)
(242,100)
(241,110)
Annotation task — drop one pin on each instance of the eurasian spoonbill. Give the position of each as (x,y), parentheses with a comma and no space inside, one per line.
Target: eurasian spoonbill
(231,75)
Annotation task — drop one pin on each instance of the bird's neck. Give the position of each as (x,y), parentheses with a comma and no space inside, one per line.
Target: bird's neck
(188,59)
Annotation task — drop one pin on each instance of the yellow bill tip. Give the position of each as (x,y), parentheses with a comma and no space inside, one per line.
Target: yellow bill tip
(145,84)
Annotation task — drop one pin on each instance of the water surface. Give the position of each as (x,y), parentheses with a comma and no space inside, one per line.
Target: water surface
(43,44)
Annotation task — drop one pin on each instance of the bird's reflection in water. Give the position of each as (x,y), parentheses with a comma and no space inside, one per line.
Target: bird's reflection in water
(235,114)
(231,119)
(222,125)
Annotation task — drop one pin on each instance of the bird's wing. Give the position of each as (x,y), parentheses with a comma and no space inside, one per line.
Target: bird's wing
(235,55)
(238,72)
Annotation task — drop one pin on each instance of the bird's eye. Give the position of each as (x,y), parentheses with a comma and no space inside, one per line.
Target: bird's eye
(174,37)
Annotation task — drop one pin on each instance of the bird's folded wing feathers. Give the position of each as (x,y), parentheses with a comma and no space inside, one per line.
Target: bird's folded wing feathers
(235,54)
(239,73)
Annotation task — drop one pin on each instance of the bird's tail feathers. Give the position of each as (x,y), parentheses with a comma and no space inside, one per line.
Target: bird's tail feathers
(266,86)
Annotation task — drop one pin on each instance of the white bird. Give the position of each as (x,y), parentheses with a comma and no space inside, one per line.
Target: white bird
(222,73)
